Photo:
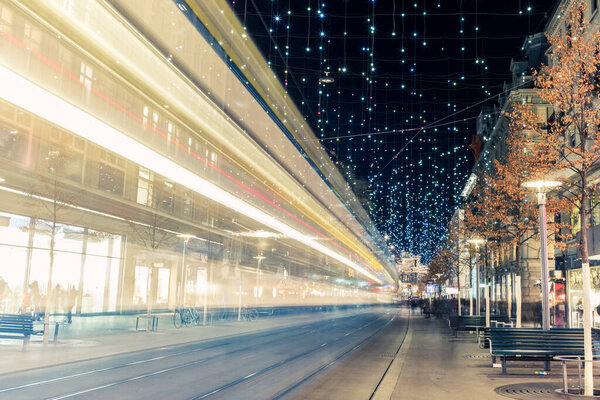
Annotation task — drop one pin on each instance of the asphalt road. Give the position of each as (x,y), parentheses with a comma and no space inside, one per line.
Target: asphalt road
(279,363)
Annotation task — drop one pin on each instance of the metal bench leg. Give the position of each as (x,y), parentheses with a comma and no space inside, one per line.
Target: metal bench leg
(547,365)
(565,378)
(504,365)
(55,333)
(25,342)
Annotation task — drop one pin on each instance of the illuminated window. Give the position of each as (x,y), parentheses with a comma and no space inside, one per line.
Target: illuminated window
(165,196)
(144,191)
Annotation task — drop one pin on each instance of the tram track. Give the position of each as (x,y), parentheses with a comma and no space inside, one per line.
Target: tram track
(291,359)
(340,326)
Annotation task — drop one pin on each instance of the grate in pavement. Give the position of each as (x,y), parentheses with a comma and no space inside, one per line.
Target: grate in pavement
(477,355)
(532,390)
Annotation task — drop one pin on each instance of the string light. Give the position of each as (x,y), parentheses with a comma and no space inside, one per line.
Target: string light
(409,79)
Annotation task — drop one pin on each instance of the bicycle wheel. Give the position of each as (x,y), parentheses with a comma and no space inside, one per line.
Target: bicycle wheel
(253,315)
(177,319)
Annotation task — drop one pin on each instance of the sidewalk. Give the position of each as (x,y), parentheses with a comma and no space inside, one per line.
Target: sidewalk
(92,337)
(433,364)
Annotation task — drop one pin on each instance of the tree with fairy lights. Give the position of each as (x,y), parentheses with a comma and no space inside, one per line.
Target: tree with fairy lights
(504,209)
(571,84)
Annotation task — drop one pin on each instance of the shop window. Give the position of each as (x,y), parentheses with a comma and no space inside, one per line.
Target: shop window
(162,292)
(140,287)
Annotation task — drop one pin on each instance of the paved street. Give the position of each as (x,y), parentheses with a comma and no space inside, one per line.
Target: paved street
(379,353)
(266,364)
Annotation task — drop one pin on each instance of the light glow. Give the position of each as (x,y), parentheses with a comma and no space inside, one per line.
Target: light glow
(27,95)
(542,184)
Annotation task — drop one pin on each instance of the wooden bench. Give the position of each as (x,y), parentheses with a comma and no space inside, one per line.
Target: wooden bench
(472,322)
(534,344)
(17,326)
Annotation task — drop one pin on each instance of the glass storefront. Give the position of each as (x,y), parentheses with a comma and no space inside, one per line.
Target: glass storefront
(86,266)
(575,293)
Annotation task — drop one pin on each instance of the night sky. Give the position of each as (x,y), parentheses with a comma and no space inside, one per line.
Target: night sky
(410,77)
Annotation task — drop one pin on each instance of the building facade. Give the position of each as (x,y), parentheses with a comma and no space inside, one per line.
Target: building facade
(148,161)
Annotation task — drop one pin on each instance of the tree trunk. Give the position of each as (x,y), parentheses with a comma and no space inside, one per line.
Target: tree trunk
(509,295)
(470,285)
(48,302)
(458,294)
(586,286)
(517,284)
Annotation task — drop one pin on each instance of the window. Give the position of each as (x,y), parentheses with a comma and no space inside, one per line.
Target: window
(188,204)
(595,209)
(165,197)
(593,6)
(12,143)
(145,182)
(72,151)
(575,221)
(111,179)
(111,174)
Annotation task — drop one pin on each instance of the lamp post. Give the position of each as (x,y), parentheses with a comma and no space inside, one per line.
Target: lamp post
(541,187)
(181,296)
(477,242)
(259,258)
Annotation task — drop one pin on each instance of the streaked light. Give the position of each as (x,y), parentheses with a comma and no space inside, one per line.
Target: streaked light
(27,95)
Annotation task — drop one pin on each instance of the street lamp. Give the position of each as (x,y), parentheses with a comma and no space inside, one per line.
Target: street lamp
(477,242)
(259,258)
(181,296)
(541,187)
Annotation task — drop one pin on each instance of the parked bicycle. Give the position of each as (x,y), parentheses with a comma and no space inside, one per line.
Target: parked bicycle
(185,317)
(249,314)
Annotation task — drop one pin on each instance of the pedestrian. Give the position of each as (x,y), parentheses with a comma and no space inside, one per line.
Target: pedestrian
(70,302)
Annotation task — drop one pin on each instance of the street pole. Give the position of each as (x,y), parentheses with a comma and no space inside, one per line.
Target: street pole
(478,288)
(259,258)
(182,281)
(541,197)
(541,187)
(487,287)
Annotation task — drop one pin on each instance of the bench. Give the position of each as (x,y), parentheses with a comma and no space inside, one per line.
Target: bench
(17,326)
(153,321)
(484,334)
(535,344)
(473,322)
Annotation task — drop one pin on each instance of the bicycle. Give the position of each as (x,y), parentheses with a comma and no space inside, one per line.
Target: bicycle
(249,314)
(182,316)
